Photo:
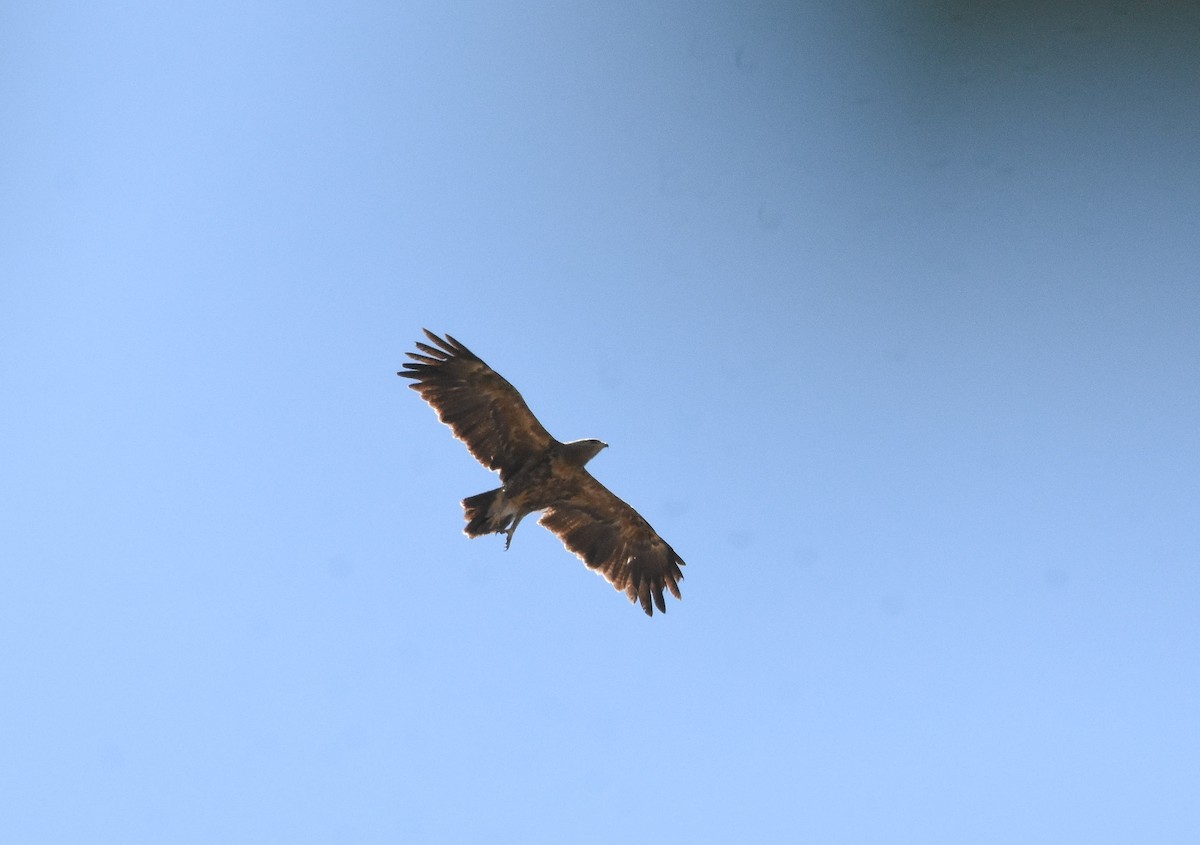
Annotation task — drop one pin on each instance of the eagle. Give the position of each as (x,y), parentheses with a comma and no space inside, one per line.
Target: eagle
(539,473)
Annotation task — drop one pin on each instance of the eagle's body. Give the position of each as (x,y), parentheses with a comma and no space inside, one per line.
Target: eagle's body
(539,473)
(550,477)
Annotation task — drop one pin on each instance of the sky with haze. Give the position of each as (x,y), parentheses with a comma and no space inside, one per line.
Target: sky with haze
(888,311)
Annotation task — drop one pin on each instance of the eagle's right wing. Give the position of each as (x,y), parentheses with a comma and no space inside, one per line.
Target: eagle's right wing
(616,541)
(480,406)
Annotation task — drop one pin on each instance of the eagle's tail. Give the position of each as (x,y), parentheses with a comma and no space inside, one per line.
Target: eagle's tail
(490,513)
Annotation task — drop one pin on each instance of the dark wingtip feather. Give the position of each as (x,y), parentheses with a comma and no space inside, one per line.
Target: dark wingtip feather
(644,597)
(448,347)
(437,354)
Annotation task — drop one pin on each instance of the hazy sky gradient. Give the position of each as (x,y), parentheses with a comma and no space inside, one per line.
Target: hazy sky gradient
(889,312)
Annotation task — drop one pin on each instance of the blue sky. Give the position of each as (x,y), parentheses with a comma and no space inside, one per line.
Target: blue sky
(889,312)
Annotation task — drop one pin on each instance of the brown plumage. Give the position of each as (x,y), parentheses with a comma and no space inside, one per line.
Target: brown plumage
(540,474)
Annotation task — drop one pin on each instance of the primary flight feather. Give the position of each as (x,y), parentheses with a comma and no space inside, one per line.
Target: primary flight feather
(539,473)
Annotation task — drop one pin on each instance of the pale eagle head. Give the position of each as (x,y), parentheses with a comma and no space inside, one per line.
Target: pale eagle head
(582,451)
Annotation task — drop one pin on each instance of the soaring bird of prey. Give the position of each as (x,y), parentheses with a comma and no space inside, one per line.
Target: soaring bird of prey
(539,473)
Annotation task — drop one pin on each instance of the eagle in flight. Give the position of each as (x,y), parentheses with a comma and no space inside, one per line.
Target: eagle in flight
(539,473)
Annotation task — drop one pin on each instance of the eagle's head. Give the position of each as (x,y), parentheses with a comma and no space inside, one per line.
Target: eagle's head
(582,451)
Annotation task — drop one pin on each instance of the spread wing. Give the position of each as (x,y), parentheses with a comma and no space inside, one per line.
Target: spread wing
(613,539)
(480,406)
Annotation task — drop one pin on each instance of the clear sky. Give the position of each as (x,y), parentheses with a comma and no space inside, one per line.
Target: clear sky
(890,313)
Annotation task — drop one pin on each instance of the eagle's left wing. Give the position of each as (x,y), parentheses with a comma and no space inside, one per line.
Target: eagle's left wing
(616,541)
(480,406)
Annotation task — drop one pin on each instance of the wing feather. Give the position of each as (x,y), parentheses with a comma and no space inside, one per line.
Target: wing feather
(482,409)
(615,540)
